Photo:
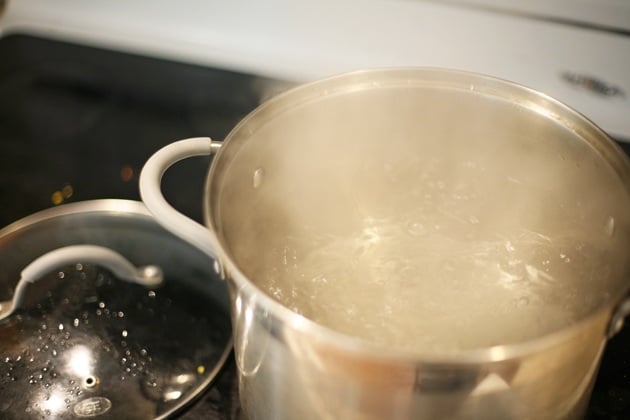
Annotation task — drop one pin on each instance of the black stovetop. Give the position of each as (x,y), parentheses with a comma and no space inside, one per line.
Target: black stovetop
(78,123)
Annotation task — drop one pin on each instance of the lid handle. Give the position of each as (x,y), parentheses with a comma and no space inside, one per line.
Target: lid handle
(148,276)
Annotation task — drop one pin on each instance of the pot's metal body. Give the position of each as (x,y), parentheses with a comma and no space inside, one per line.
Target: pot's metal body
(290,367)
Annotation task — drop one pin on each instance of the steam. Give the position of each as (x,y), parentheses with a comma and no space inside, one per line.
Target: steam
(430,222)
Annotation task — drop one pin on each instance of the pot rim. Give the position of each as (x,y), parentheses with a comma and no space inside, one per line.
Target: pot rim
(527,97)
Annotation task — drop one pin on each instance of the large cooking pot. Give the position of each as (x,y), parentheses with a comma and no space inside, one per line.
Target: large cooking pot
(413,243)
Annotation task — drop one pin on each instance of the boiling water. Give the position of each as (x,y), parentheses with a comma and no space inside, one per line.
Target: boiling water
(412,287)
(441,264)
(439,230)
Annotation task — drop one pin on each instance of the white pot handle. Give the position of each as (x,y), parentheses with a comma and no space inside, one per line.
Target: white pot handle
(149,276)
(151,191)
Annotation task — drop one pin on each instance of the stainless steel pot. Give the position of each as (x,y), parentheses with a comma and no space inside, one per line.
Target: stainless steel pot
(103,313)
(326,157)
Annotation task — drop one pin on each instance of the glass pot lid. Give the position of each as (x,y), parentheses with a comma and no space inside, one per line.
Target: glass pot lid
(86,342)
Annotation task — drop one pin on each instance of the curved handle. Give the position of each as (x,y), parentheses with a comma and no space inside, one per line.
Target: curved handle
(149,275)
(151,191)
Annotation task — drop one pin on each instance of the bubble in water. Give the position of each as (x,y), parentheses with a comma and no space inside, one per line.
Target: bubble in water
(416,228)
(258,178)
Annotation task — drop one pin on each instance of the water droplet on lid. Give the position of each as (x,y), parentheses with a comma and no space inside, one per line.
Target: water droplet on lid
(60,327)
(258,178)
(124,333)
(75,322)
(151,293)
(61,274)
